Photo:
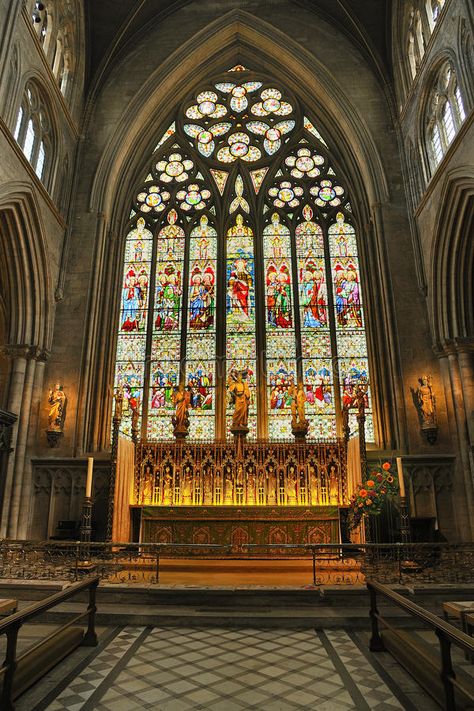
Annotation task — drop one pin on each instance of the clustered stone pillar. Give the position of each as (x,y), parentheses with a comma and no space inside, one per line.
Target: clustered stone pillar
(457,361)
(26,384)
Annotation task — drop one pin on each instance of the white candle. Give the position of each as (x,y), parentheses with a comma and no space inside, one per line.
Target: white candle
(90,466)
(401,482)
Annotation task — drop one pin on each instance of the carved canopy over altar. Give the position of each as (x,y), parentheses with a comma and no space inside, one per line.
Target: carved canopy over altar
(240,473)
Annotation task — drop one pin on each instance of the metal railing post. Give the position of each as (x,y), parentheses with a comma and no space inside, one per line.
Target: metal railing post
(314,566)
(447,671)
(376,644)
(157,564)
(10,666)
(90,637)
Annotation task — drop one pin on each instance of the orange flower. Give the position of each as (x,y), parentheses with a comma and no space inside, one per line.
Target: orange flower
(386,466)
(370,484)
(383,490)
(363,493)
(361,506)
(368,502)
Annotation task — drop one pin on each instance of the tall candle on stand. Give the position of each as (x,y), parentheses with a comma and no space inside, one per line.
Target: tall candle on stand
(401,482)
(90,466)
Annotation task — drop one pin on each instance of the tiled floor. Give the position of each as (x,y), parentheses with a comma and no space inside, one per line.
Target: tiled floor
(225,670)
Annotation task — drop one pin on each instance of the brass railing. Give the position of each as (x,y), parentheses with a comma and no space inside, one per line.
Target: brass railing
(331,563)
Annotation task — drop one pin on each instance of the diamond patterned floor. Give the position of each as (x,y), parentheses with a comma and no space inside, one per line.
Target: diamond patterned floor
(226,670)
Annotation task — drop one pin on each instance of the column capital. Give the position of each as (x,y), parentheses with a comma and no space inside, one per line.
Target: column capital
(23,350)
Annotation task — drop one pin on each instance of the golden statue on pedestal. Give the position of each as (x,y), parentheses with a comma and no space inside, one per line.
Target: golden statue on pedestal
(240,397)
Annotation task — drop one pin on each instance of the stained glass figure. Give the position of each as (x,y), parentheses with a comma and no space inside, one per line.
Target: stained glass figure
(240,310)
(350,337)
(291,240)
(201,338)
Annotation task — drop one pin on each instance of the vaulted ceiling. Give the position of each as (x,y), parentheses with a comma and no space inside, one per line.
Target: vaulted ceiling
(112,25)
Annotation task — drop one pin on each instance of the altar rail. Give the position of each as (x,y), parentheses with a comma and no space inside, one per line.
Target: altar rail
(241,473)
(332,564)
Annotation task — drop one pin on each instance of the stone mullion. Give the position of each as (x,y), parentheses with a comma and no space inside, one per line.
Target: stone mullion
(221,332)
(184,304)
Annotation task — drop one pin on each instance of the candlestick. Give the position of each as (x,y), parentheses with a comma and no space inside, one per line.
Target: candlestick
(401,482)
(90,466)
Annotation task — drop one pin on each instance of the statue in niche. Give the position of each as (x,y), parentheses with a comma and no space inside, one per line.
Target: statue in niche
(182,403)
(186,486)
(239,392)
(333,486)
(57,408)
(425,403)
(167,482)
(291,485)
(57,402)
(229,487)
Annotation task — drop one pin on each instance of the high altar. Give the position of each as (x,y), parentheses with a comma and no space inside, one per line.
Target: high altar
(237,492)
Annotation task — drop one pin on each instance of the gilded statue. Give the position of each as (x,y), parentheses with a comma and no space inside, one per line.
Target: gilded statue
(299,423)
(240,397)
(425,403)
(57,408)
(301,404)
(426,400)
(182,403)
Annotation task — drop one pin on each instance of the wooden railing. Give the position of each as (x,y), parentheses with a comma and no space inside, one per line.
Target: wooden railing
(12,625)
(446,633)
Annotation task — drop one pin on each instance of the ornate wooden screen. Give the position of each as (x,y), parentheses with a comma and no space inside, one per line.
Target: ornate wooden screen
(259,473)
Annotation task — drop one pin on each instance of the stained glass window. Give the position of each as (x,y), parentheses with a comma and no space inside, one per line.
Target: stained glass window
(241,261)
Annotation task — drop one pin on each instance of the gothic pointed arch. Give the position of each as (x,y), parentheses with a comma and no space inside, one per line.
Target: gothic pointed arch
(241,250)
(231,39)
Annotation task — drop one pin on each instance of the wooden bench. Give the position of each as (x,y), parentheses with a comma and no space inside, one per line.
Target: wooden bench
(423,662)
(7,606)
(38,661)
(431,665)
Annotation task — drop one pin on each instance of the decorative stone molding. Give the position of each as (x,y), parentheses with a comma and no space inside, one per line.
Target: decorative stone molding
(22,350)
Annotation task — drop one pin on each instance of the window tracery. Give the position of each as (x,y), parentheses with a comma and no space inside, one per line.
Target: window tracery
(33,131)
(241,256)
(446,113)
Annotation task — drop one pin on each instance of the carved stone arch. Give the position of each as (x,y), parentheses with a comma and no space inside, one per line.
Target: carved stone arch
(452,260)
(54,115)
(401,48)
(431,75)
(236,34)
(25,265)
(465,54)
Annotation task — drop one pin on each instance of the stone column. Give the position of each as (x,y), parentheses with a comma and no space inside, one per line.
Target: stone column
(26,499)
(464,502)
(19,356)
(24,412)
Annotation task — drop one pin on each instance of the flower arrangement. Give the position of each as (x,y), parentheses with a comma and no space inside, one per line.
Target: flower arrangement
(370,496)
